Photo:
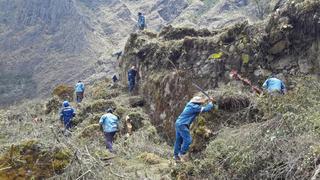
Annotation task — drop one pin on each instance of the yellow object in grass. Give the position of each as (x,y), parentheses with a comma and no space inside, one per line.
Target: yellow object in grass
(245,58)
(216,55)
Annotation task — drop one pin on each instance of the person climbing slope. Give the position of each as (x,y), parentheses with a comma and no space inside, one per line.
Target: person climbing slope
(141,21)
(114,79)
(274,86)
(132,73)
(79,91)
(109,123)
(66,115)
(182,125)
(117,54)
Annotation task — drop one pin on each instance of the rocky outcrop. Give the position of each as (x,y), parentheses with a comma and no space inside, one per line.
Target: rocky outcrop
(294,31)
(170,63)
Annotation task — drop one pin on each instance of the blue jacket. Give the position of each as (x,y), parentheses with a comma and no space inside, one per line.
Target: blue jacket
(79,87)
(109,122)
(191,111)
(67,113)
(141,21)
(132,75)
(274,84)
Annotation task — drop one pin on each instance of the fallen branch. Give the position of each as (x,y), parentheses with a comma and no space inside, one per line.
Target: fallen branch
(5,168)
(314,177)
(83,174)
(107,158)
(88,153)
(118,175)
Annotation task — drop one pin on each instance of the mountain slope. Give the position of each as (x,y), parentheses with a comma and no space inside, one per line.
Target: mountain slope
(44,42)
(250,136)
(41,41)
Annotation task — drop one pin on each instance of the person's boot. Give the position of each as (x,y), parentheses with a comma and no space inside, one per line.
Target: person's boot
(184,157)
(176,158)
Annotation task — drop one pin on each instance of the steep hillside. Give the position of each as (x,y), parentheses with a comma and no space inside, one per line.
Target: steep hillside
(249,137)
(65,41)
(62,41)
(33,144)
(40,41)
(170,62)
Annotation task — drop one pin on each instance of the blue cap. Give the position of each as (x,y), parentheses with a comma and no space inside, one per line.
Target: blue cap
(65,103)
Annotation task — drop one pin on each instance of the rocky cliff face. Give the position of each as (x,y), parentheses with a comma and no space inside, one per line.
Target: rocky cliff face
(170,61)
(293,38)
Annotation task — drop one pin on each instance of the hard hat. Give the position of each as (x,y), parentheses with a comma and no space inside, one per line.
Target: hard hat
(65,103)
(197,99)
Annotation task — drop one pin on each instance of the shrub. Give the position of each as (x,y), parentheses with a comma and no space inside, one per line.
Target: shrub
(52,105)
(285,146)
(64,92)
(31,158)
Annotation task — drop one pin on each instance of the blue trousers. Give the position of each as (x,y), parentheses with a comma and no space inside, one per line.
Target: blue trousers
(183,140)
(131,85)
(79,96)
(109,136)
(67,124)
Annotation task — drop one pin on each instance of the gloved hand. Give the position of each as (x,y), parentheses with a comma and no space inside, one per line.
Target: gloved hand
(212,99)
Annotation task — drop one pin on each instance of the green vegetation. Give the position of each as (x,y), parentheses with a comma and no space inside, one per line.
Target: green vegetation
(226,144)
(64,92)
(52,155)
(249,137)
(285,145)
(30,159)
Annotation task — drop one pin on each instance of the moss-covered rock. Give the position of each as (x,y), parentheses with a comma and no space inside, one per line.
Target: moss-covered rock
(64,92)
(31,159)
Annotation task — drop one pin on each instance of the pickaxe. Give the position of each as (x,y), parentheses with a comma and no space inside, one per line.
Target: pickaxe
(234,74)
